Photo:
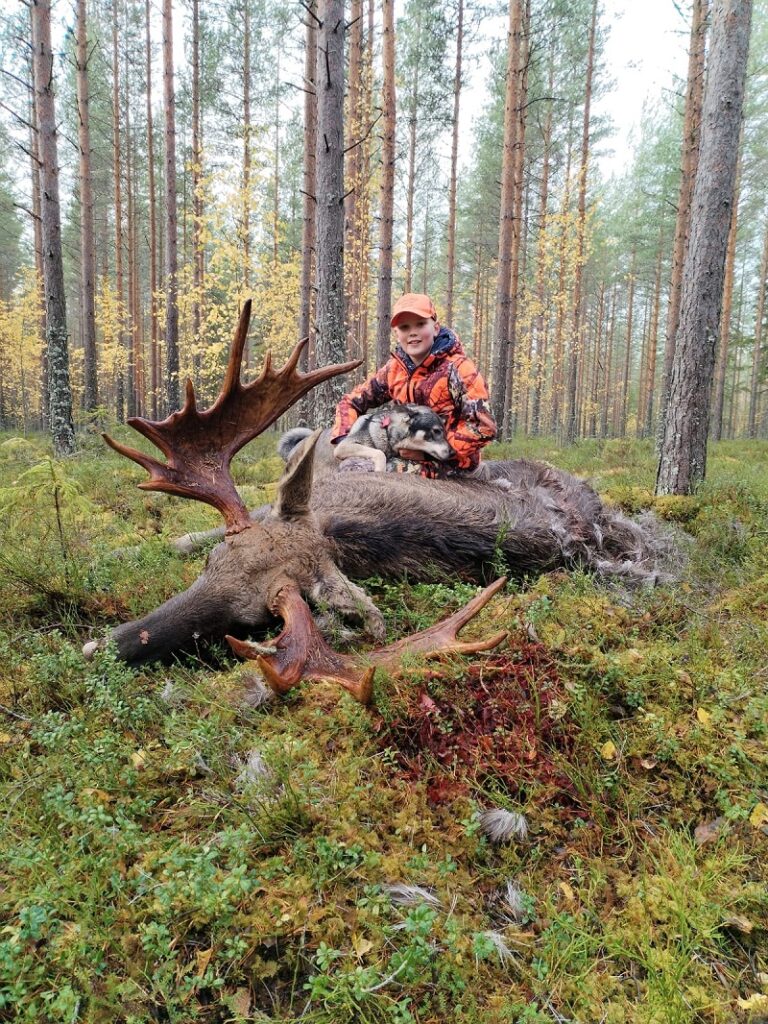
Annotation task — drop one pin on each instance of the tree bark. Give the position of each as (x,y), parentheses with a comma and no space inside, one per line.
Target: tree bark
(571,418)
(117,170)
(540,325)
(451,257)
(331,338)
(198,269)
(502,341)
(309,207)
(172,394)
(650,376)
(754,384)
(355,187)
(690,157)
(87,258)
(59,388)
(628,348)
(135,362)
(682,465)
(152,201)
(518,219)
(413,116)
(34,159)
(386,205)
(725,317)
(245,222)
(558,375)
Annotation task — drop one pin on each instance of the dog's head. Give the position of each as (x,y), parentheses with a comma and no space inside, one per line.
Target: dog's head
(424,433)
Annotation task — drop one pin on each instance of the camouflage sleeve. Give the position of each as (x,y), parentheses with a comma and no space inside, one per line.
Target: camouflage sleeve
(474,425)
(369,395)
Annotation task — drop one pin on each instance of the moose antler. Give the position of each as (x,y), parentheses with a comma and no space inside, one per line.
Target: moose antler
(199,446)
(302,653)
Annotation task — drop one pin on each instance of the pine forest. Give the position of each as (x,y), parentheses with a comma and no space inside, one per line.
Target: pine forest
(374,730)
(188,138)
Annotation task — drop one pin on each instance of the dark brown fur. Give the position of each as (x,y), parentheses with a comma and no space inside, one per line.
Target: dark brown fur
(364,524)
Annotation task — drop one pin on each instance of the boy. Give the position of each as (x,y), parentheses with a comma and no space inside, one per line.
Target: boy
(428,367)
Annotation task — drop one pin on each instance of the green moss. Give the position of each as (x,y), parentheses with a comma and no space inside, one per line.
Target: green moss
(141,879)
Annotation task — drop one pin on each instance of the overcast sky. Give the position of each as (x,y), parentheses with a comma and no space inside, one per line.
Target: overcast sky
(647,46)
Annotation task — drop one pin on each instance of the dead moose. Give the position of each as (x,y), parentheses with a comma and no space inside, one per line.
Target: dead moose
(299,553)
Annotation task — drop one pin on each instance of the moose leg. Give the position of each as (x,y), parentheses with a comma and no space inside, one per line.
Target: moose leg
(348,600)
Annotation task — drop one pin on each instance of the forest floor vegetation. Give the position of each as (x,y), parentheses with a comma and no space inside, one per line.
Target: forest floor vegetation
(171,853)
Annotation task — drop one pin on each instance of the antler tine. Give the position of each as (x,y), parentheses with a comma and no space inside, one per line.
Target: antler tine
(302,653)
(232,375)
(145,461)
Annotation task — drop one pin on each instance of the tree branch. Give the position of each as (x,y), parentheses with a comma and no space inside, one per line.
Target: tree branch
(25,209)
(300,88)
(18,117)
(311,13)
(361,140)
(27,85)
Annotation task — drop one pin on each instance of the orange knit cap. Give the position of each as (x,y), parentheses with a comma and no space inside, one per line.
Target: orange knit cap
(419,305)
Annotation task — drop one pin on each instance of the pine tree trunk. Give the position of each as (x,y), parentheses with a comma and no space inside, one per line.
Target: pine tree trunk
(364,201)
(413,117)
(725,318)
(38,236)
(59,389)
(606,402)
(153,240)
(172,394)
(331,335)
(387,201)
(451,257)
(354,186)
(650,379)
(540,323)
(757,363)
(308,179)
(87,259)
(134,343)
(558,375)
(682,465)
(694,93)
(596,365)
(502,342)
(518,220)
(117,165)
(245,224)
(309,207)
(571,424)
(627,349)
(276,169)
(197,196)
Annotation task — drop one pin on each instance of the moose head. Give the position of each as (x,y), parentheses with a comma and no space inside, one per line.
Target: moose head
(271,566)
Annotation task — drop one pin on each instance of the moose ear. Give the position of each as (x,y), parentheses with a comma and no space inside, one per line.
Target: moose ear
(295,487)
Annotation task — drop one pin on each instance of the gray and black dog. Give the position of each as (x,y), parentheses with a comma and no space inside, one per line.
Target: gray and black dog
(385,435)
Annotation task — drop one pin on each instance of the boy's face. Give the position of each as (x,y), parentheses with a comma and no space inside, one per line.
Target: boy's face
(415,336)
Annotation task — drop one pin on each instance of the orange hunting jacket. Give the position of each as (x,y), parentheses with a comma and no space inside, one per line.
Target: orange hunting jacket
(447,381)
